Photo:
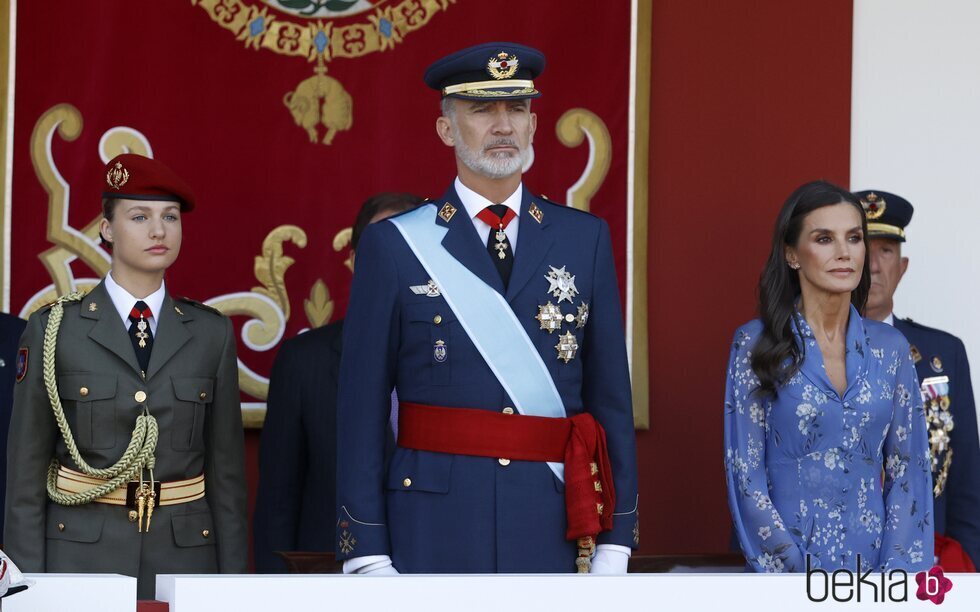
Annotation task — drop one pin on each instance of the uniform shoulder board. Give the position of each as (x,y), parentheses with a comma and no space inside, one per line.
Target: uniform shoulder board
(200,305)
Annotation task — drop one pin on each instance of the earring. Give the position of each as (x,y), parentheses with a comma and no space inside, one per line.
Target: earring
(794,265)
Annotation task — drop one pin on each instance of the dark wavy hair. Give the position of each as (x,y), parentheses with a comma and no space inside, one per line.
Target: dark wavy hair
(779,285)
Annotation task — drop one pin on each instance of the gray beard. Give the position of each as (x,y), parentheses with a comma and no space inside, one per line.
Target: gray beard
(493,166)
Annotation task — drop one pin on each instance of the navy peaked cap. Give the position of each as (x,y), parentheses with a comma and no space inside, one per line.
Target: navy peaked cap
(491,71)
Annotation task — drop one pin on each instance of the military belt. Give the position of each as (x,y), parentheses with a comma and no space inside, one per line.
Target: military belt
(168,493)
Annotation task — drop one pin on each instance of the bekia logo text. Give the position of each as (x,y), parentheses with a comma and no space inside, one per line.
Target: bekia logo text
(843,585)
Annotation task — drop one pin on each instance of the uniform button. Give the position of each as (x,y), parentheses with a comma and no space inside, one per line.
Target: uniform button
(206,533)
(203,395)
(437,319)
(569,318)
(61,526)
(407,482)
(508,410)
(503,462)
(83,391)
(140,396)
(132,516)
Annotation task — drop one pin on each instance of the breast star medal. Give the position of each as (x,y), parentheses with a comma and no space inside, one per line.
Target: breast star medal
(549,316)
(567,346)
(561,284)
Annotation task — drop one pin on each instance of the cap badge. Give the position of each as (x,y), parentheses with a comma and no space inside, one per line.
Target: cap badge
(117,176)
(502,66)
(874,206)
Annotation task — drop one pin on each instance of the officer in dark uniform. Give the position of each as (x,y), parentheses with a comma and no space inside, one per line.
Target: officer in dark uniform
(495,315)
(944,376)
(126,449)
(294,506)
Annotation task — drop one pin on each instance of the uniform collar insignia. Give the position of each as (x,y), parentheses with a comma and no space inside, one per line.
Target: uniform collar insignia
(535,212)
(447,212)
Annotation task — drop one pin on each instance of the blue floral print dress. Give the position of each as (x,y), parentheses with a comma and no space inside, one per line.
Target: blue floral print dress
(813,473)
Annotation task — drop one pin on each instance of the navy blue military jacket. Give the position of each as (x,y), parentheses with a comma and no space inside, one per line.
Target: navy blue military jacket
(957,508)
(436,512)
(11,329)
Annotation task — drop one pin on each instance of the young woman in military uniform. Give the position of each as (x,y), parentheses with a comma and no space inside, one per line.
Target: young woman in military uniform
(126,443)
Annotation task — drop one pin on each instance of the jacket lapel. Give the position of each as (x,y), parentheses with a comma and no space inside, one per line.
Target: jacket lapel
(170,335)
(464,243)
(533,242)
(109,330)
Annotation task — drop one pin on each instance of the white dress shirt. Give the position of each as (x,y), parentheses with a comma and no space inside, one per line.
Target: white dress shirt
(890,319)
(124,302)
(474,203)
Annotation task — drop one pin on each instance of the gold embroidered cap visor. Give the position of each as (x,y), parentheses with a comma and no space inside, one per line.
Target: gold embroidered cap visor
(491,71)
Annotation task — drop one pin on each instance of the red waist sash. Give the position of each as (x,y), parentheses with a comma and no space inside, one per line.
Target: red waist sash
(579,442)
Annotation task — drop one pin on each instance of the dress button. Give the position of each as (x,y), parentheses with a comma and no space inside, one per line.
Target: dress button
(508,410)
(132,516)
(407,482)
(205,533)
(140,396)
(503,462)
(83,391)
(203,395)
(61,526)
(437,319)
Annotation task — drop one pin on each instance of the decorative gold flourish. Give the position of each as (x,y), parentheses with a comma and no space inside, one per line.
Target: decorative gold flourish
(341,241)
(319,306)
(382,30)
(572,128)
(271,265)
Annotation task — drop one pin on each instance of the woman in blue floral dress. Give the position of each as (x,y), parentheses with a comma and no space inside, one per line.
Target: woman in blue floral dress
(826,444)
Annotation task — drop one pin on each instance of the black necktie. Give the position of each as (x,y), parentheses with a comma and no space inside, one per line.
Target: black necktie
(498,245)
(140,334)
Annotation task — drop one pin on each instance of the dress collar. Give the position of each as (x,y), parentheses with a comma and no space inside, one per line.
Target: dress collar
(474,202)
(857,352)
(123,300)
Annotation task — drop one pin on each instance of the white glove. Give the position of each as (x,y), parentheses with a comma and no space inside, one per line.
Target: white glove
(374,565)
(610,560)
(11,579)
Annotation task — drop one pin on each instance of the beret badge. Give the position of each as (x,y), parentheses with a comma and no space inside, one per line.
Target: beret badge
(117,176)
(502,66)
(874,206)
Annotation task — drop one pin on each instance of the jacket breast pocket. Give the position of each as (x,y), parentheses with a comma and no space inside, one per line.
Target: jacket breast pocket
(413,470)
(89,401)
(192,397)
(434,326)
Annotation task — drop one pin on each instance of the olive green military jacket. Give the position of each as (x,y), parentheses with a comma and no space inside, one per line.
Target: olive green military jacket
(192,390)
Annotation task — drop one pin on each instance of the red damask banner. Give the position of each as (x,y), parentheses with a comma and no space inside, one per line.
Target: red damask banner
(284,115)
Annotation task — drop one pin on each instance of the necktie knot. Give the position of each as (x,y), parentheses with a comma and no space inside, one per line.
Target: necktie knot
(497,215)
(140,311)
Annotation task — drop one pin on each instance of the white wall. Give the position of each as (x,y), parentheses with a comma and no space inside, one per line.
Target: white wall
(915,131)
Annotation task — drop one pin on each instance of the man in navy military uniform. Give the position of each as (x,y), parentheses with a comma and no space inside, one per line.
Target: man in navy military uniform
(496,317)
(298,450)
(944,376)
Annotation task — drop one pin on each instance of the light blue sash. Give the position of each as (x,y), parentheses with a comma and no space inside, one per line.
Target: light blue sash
(487,319)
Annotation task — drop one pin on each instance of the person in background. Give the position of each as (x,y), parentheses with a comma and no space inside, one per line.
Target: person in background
(944,378)
(11,328)
(818,400)
(296,499)
(126,448)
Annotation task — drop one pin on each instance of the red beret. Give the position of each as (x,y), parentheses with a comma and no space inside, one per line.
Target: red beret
(134,177)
